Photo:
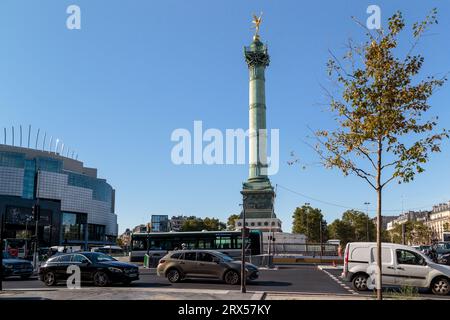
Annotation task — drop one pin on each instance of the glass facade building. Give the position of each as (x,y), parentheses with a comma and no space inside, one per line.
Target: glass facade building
(160,223)
(81,205)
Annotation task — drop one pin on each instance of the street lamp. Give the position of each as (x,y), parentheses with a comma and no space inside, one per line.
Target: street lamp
(367,227)
(243,278)
(307,204)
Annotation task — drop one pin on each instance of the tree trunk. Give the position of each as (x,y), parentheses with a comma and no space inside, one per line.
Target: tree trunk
(378,281)
(379,262)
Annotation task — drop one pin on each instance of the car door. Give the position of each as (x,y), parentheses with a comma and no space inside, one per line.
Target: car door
(189,263)
(208,266)
(387,265)
(61,266)
(411,268)
(85,266)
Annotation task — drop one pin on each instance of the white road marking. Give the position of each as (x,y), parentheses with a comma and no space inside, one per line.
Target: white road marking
(343,285)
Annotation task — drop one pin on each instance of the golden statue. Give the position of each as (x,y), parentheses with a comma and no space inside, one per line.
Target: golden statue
(257,21)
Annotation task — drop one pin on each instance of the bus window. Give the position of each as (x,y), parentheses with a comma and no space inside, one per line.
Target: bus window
(139,244)
(206,244)
(224,242)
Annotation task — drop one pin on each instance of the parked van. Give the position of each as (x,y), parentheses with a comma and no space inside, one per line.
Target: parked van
(401,266)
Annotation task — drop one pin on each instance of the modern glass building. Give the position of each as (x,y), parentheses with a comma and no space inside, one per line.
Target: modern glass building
(160,223)
(77,207)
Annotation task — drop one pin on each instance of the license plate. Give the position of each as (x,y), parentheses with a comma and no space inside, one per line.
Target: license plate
(133,275)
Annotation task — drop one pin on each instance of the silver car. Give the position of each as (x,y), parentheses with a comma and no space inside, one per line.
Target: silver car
(182,264)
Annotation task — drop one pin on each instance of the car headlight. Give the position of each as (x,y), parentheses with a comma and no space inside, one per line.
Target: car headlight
(8,266)
(117,270)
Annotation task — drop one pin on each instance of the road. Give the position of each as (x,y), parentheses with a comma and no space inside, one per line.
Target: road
(337,272)
(307,279)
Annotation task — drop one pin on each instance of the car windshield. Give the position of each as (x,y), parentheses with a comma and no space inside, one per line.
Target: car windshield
(223,256)
(99,257)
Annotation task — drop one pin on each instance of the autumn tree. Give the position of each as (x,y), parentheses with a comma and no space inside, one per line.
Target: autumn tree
(231,222)
(416,233)
(199,224)
(306,220)
(380,105)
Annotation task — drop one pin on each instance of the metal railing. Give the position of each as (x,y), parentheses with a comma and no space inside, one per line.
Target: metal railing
(305,249)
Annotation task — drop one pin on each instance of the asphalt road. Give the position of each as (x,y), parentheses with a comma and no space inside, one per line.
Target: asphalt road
(305,279)
(421,292)
(299,279)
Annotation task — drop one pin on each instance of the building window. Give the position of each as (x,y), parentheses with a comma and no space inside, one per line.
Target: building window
(259,224)
(96,232)
(239,224)
(73,226)
(273,223)
(266,223)
(252,224)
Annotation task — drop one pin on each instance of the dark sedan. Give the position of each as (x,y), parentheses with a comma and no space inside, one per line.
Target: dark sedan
(444,259)
(97,268)
(16,267)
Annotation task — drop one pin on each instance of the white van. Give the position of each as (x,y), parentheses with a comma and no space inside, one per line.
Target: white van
(401,266)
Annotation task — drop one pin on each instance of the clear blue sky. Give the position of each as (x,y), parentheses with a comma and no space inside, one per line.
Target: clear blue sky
(116,89)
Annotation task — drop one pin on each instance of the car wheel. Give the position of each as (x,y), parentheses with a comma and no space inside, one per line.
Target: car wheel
(231,277)
(50,279)
(101,279)
(173,275)
(360,282)
(440,286)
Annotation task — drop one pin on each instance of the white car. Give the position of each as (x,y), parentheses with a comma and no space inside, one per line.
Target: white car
(401,266)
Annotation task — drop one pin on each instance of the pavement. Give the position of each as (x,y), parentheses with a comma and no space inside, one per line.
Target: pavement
(305,282)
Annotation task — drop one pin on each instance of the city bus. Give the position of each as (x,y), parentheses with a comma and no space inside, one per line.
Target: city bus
(159,243)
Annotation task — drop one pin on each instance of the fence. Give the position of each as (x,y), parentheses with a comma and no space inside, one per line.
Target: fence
(305,249)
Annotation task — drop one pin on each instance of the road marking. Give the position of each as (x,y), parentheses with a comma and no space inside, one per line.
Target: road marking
(338,281)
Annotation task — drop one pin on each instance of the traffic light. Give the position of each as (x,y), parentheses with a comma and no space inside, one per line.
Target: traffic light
(36,212)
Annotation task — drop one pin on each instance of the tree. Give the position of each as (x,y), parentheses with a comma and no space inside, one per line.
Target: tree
(231,222)
(352,227)
(199,224)
(381,134)
(341,230)
(361,224)
(213,224)
(307,221)
(416,233)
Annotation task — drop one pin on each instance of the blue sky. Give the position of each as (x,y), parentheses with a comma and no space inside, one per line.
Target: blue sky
(137,70)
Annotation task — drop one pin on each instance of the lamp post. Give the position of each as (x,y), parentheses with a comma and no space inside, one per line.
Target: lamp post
(307,204)
(243,278)
(367,227)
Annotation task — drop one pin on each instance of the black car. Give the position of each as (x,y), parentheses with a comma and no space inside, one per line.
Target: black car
(16,267)
(98,268)
(444,259)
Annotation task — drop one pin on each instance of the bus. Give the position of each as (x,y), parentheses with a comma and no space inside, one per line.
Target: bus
(159,243)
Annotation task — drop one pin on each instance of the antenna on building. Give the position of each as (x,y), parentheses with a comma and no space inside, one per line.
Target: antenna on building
(73,152)
(13,136)
(50,146)
(37,138)
(56,145)
(62,150)
(67,155)
(20,126)
(29,135)
(5,135)
(43,143)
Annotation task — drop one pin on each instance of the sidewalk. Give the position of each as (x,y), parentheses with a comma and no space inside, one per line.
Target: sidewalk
(127,294)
